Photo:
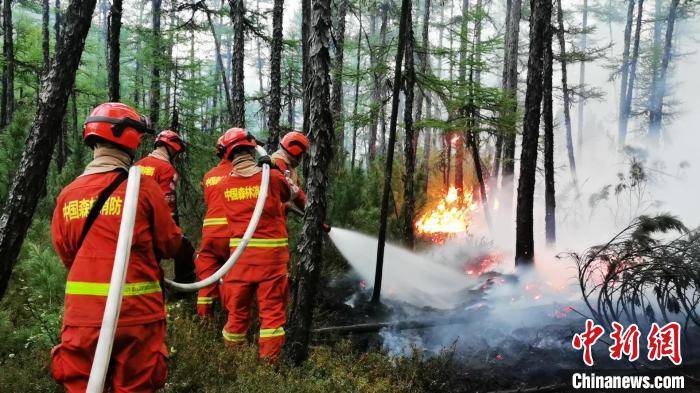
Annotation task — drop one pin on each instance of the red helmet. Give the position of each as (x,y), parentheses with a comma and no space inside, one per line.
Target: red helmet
(171,139)
(295,143)
(236,137)
(116,123)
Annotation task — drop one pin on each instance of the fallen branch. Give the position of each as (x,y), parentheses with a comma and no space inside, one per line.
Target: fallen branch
(398,325)
(561,387)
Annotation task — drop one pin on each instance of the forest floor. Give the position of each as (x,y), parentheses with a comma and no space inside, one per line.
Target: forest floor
(485,360)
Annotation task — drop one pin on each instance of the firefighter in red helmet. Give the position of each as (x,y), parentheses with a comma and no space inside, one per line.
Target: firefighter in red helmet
(262,268)
(159,165)
(293,146)
(84,230)
(214,249)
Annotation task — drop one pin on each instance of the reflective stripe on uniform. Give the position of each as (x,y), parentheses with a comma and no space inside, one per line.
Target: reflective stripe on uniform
(208,222)
(276,332)
(233,336)
(205,300)
(102,289)
(261,243)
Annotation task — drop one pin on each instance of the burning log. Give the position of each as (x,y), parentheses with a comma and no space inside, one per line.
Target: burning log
(402,325)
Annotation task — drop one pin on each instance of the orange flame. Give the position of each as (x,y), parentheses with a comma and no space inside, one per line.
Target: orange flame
(450,216)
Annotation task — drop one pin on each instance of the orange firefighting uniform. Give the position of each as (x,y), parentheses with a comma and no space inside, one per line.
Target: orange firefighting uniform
(214,249)
(139,354)
(157,166)
(262,268)
(164,173)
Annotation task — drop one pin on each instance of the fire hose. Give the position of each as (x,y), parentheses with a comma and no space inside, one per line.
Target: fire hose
(252,225)
(103,352)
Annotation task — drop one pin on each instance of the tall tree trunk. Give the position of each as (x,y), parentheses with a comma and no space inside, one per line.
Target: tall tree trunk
(7,101)
(321,138)
(45,39)
(565,92)
(305,36)
(378,86)
(62,143)
(624,73)
(115,27)
(275,107)
(31,174)
(540,24)
(422,96)
(656,54)
(409,205)
(582,75)
(629,93)
(510,90)
(290,94)
(155,67)
(220,66)
(548,120)
(473,113)
(656,114)
(388,169)
(238,91)
(337,92)
(459,144)
(138,74)
(357,92)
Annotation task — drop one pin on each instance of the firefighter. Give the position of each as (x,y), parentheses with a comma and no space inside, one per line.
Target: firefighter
(214,249)
(293,146)
(159,165)
(262,268)
(85,228)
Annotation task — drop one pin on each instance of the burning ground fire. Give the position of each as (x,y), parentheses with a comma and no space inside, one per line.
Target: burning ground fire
(449,217)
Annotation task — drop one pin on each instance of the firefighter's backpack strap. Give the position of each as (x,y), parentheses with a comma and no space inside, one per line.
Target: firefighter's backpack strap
(100,202)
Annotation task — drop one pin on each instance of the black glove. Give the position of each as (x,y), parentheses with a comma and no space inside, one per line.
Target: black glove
(265,160)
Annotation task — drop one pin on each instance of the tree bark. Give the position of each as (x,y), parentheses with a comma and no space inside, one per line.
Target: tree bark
(409,205)
(31,175)
(357,91)
(459,144)
(275,107)
(305,35)
(115,27)
(632,74)
(565,92)
(656,114)
(582,75)
(656,54)
(337,92)
(378,87)
(510,91)
(220,65)
(548,120)
(155,67)
(388,169)
(7,101)
(238,91)
(624,74)
(138,74)
(540,24)
(321,137)
(422,96)
(45,39)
